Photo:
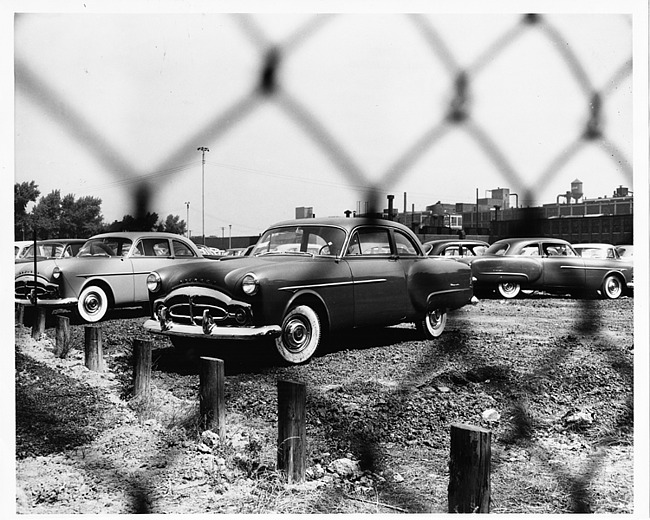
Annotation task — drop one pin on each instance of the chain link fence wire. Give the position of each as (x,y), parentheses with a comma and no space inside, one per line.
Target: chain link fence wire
(267,87)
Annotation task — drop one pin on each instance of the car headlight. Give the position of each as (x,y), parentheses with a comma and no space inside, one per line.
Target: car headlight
(56,273)
(250,284)
(154,282)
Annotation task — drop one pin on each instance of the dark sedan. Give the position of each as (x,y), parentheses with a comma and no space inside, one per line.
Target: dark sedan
(305,278)
(550,264)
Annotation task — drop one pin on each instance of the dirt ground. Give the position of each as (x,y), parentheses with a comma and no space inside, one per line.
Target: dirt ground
(550,377)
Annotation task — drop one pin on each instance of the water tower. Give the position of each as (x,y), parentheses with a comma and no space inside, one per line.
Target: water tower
(576,190)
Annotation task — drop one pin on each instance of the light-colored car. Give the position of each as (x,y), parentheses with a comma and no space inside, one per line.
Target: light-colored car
(53,248)
(305,278)
(109,271)
(550,264)
(625,251)
(596,250)
(20,247)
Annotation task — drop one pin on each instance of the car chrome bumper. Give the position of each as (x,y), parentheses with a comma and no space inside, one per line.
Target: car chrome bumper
(61,302)
(215,333)
(630,285)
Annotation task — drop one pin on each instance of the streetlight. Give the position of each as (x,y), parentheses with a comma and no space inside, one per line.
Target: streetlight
(188,219)
(203,149)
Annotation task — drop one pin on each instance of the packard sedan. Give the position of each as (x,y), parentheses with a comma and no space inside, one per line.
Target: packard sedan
(304,279)
(513,265)
(110,270)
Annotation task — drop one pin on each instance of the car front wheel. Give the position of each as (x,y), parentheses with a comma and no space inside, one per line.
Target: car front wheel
(509,289)
(301,334)
(93,304)
(433,324)
(612,287)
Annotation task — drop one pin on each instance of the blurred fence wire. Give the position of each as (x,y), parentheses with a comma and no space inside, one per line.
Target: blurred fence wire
(267,88)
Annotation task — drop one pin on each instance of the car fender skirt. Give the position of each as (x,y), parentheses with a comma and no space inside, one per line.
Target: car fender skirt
(449,299)
(215,333)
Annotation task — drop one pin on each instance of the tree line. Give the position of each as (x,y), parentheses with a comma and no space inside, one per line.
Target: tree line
(53,216)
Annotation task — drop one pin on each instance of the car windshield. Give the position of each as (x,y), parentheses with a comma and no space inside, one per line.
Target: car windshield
(109,246)
(316,240)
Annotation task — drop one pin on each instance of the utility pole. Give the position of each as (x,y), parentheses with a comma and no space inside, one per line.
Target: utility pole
(188,219)
(229,236)
(203,149)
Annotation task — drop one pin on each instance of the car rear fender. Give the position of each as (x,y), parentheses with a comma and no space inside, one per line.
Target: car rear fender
(439,283)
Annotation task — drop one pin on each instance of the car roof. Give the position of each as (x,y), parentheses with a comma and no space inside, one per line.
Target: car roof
(137,234)
(343,222)
(61,241)
(531,239)
(455,241)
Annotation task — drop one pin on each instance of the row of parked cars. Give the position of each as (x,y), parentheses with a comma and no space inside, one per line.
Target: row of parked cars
(307,278)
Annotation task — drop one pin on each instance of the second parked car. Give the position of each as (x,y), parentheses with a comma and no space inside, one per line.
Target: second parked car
(110,270)
(550,264)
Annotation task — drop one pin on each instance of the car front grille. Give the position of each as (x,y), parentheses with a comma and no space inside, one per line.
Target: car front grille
(189,307)
(23,289)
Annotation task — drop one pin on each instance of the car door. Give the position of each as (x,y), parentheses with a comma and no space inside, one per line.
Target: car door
(378,277)
(563,268)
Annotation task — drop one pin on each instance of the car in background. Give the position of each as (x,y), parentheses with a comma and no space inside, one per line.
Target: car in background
(109,271)
(20,246)
(625,251)
(596,250)
(513,265)
(53,248)
(455,248)
(304,279)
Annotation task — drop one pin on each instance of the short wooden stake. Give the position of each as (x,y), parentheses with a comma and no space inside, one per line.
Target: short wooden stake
(469,469)
(93,348)
(20,314)
(62,336)
(38,327)
(212,406)
(141,367)
(291,430)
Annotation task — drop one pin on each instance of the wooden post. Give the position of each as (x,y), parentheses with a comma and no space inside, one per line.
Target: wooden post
(38,327)
(93,348)
(20,314)
(141,366)
(62,336)
(291,430)
(211,395)
(469,469)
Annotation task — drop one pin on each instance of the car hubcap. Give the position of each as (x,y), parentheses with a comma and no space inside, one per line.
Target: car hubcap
(92,303)
(613,287)
(435,319)
(296,335)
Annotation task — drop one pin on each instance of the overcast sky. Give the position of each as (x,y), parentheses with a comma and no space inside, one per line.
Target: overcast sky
(108,97)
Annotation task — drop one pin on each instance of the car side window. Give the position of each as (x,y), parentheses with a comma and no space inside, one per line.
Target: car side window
(530,250)
(404,245)
(152,247)
(370,241)
(181,249)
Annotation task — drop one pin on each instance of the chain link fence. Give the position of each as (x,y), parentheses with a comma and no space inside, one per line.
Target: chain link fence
(464,103)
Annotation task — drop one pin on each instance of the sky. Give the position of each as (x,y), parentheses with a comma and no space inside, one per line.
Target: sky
(107,98)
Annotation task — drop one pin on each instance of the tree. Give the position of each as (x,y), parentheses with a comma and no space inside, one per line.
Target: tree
(80,218)
(173,224)
(147,222)
(46,215)
(24,193)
